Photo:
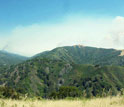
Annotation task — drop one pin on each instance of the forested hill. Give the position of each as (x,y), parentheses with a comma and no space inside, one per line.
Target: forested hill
(94,71)
(85,55)
(41,77)
(7,58)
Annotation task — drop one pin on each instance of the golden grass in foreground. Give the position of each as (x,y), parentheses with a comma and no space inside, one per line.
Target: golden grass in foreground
(98,102)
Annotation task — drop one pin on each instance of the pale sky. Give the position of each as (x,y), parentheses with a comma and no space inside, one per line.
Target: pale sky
(30,27)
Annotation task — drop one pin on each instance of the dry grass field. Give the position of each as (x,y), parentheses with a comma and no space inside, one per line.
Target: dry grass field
(97,102)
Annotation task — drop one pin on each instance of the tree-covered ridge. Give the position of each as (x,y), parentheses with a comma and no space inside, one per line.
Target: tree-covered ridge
(41,77)
(85,55)
(9,58)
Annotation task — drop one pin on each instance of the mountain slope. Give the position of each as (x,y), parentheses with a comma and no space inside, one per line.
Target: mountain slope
(9,58)
(93,70)
(40,76)
(85,55)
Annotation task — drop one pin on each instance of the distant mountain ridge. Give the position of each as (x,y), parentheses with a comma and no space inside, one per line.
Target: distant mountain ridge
(7,58)
(85,55)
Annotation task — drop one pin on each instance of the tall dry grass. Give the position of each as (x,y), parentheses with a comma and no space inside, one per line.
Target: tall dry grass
(97,102)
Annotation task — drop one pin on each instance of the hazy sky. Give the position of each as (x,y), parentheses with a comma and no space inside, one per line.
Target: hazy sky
(28,27)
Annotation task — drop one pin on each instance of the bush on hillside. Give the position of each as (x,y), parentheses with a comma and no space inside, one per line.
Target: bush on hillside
(66,91)
(7,92)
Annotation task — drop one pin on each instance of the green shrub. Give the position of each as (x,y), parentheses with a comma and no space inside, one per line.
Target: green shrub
(66,91)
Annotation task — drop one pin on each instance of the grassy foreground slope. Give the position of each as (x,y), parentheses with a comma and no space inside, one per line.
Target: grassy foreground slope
(97,102)
(41,77)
